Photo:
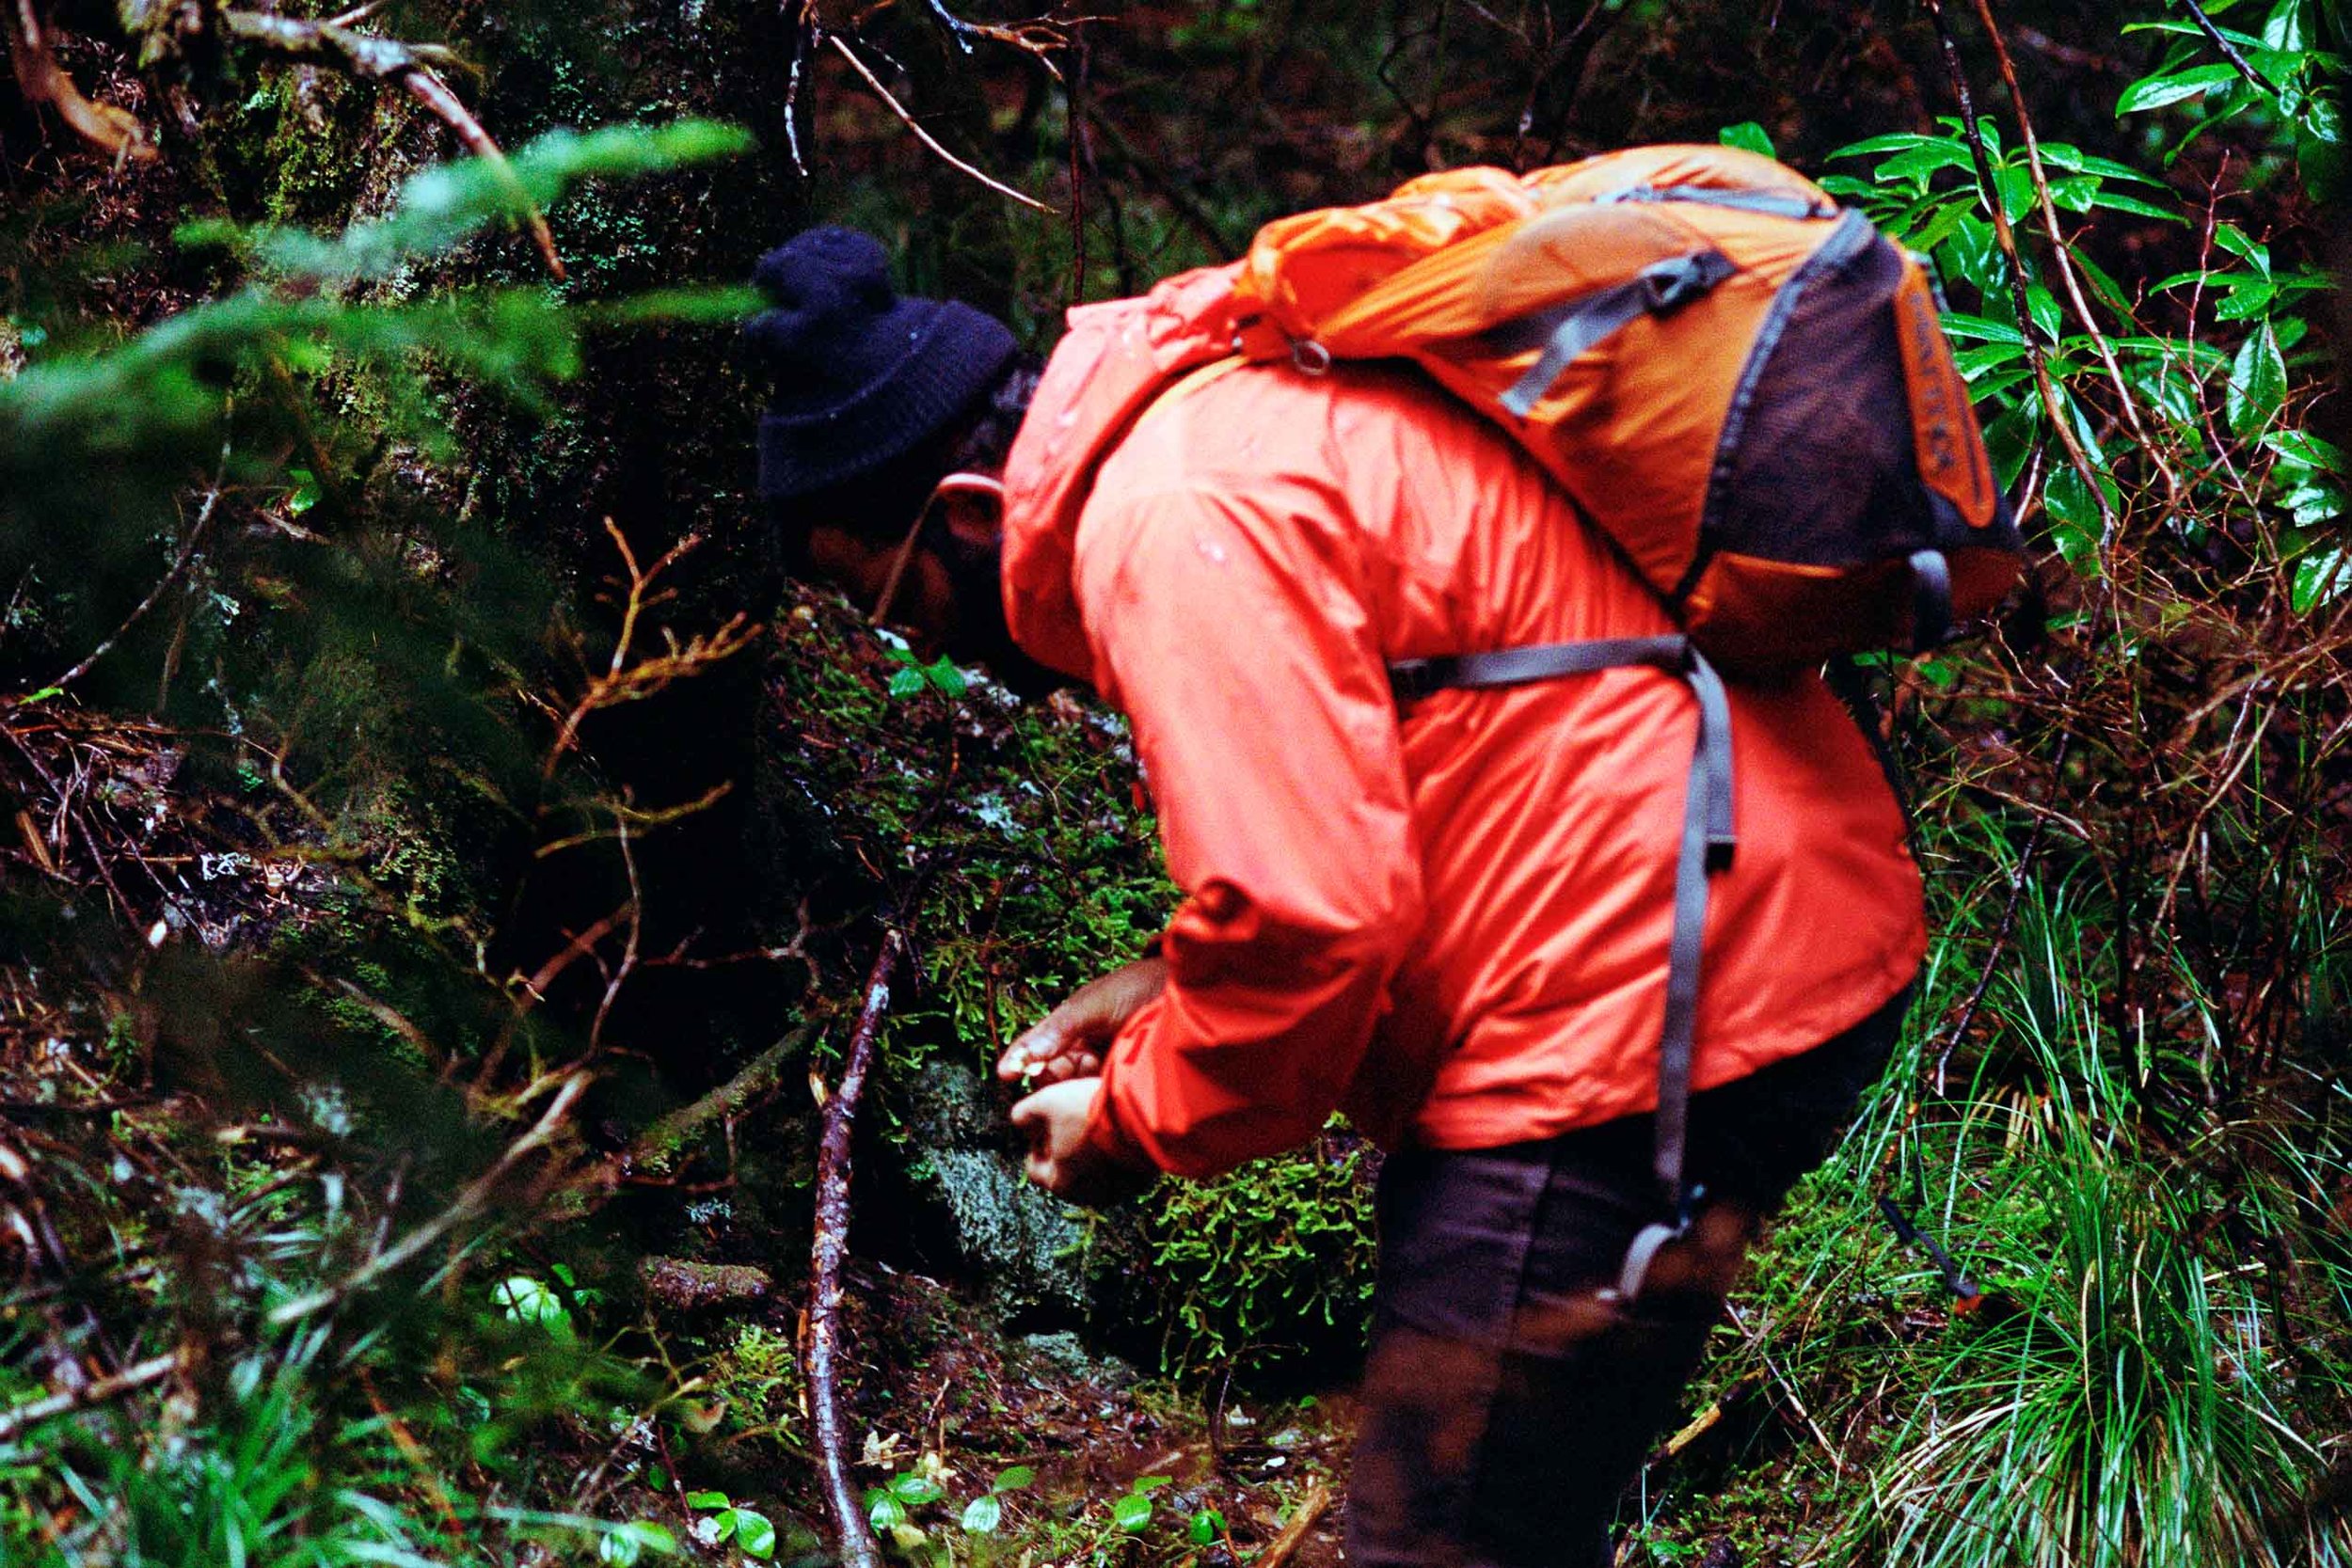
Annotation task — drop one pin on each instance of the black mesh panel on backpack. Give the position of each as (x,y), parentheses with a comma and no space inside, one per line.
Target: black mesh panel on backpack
(1816,465)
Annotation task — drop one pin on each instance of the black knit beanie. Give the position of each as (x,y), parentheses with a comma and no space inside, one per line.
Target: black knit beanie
(862,375)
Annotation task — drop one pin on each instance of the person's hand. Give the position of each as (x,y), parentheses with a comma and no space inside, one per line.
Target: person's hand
(1067,1044)
(1061,1160)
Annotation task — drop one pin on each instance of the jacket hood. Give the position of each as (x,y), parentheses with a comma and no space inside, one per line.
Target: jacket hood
(1115,358)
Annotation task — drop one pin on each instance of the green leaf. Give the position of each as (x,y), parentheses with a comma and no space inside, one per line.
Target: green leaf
(916,1489)
(2318,579)
(2043,306)
(755,1534)
(1151,1484)
(2230,237)
(706,1499)
(943,674)
(1013,1478)
(906,683)
(1748,136)
(623,1546)
(1894,142)
(2016,187)
(2154,92)
(2074,517)
(526,1300)
(1205,1528)
(885,1512)
(2301,446)
(41,696)
(2246,301)
(982,1515)
(1967,328)
(1132,1512)
(2258,382)
(2115,202)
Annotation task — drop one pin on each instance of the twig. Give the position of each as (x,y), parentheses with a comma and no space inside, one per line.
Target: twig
(854,1536)
(1990,188)
(473,1201)
(2229,51)
(187,554)
(2064,257)
(129,1380)
(843,49)
(43,80)
(1310,1508)
(1837,1463)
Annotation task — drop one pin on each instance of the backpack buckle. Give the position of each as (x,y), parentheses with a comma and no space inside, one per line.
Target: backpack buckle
(1409,678)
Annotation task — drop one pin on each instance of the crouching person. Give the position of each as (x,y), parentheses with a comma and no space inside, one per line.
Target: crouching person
(1450,918)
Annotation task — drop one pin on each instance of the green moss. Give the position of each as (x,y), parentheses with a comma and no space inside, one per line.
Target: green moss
(1275,1257)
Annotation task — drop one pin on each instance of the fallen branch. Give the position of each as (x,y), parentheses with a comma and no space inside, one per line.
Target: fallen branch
(129,1380)
(656,1151)
(853,1536)
(1304,1517)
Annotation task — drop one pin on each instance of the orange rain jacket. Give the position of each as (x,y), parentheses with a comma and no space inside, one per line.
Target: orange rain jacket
(1450,922)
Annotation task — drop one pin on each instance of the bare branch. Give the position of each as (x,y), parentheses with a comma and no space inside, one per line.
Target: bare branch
(922,135)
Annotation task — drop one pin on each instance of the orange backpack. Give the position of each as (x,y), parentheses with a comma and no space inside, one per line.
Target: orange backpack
(1748,392)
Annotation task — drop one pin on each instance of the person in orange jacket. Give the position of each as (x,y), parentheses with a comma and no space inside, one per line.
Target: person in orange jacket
(1448,919)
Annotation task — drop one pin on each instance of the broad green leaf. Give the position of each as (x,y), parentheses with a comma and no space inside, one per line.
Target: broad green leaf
(2043,306)
(2258,382)
(1749,137)
(1152,1483)
(706,1499)
(1205,1528)
(755,1534)
(2115,202)
(1922,163)
(2318,579)
(2230,237)
(2154,92)
(906,683)
(982,1515)
(2016,188)
(1966,328)
(1013,1478)
(915,1488)
(2311,452)
(1132,1512)
(2246,301)
(885,1512)
(2074,517)
(1894,142)
(622,1547)
(943,674)
(526,1300)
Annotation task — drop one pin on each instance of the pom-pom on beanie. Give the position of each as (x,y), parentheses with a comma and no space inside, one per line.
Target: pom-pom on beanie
(862,375)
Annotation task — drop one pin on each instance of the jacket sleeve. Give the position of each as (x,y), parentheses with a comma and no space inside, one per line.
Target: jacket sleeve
(1231,625)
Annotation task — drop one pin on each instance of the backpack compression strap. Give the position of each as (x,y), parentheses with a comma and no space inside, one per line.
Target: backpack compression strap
(1707,848)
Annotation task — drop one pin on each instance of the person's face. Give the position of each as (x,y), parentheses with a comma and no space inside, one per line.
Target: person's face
(941,590)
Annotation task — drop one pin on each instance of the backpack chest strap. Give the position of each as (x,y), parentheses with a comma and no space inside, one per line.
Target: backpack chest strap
(1707,844)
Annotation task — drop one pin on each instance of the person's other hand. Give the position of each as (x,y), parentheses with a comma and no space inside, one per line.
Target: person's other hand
(1061,1160)
(1067,1044)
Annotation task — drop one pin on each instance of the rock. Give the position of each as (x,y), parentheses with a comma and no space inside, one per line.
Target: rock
(1068,1354)
(1027,1248)
(681,1286)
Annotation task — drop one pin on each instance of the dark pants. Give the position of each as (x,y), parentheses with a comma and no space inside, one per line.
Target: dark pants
(1507,1404)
